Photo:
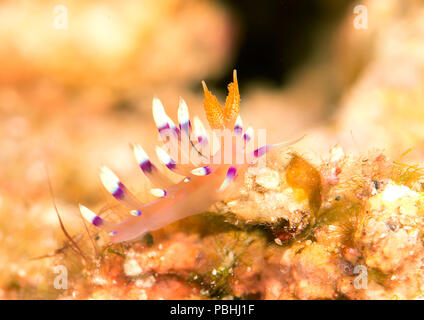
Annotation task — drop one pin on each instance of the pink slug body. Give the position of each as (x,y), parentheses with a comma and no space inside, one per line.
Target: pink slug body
(200,187)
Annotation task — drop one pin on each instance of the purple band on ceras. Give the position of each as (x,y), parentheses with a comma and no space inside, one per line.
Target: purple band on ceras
(171,165)
(238,130)
(260,151)
(147,166)
(186,126)
(119,192)
(246,137)
(165,127)
(177,131)
(202,139)
(231,173)
(207,170)
(136,213)
(97,221)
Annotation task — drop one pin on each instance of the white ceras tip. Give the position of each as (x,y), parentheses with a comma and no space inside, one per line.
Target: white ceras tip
(109,179)
(158,192)
(238,127)
(183,115)
(135,213)
(202,171)
(89,215)
(248,134)
(199,129)
(159,115)
(163,156)
(140,155)
(231,175)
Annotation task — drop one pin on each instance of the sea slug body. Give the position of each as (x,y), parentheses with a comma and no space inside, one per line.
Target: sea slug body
(201,185)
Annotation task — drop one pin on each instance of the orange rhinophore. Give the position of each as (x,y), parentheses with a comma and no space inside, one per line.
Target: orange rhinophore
(200,186)
(220,117)
(232,103)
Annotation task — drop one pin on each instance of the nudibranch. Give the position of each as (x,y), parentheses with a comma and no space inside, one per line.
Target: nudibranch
(201,160)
